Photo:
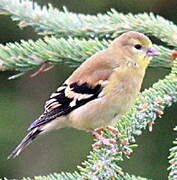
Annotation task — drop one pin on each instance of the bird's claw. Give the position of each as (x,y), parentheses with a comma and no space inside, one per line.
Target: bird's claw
(113,130)
(107,141)
(102,139)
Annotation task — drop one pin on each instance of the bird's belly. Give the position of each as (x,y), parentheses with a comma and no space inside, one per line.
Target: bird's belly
(88,121)
(100,112)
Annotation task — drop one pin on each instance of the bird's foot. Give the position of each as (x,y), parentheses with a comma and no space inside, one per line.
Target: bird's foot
(97,130)
(103,140)
(118,138)
(110,128)
(114,130)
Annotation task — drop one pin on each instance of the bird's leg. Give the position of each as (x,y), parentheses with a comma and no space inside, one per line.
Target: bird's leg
(43,68)
(114,130)
(110,128)
(102,139)
(98,130)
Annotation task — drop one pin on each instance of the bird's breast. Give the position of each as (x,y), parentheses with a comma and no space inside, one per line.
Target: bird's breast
(116,98)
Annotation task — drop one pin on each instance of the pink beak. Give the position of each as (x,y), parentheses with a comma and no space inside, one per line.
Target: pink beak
(152,52)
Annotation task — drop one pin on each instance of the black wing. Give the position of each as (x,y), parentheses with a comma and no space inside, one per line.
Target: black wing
(65,99)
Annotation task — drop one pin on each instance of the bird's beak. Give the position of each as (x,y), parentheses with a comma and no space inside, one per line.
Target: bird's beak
(152,52)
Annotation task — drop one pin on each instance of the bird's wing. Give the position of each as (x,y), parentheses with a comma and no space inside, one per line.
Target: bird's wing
(82,86)
(65,99)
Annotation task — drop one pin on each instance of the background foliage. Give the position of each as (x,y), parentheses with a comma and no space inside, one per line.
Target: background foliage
(21,102)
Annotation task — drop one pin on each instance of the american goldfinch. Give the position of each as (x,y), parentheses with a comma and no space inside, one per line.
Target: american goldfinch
(104,86)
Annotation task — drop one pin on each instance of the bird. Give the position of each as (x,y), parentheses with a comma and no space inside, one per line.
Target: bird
(99,92)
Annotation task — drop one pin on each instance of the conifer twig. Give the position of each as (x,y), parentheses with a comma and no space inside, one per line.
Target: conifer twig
(103,162)
(51,21)
(148,107)
(173,160)
(27,55)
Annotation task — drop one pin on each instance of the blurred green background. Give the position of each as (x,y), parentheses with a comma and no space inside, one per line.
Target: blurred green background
(22,99)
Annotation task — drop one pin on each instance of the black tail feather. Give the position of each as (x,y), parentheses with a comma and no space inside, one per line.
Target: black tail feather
(25,142)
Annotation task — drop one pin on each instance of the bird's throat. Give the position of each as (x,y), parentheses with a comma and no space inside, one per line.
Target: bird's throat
(143,61)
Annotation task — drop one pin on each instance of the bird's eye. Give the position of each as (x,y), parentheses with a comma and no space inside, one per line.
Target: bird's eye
(138,46)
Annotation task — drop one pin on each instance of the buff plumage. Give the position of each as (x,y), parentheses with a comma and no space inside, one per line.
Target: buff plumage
(105,86)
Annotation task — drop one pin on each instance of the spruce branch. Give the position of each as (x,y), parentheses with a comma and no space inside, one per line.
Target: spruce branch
(173,160)
(103,161)
(76,176)
(51,21)
(149,106)
(27,55)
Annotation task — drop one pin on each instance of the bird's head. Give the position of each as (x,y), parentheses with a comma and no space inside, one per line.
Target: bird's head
(134,47)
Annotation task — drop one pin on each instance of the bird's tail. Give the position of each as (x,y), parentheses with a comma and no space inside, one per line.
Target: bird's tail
(25,142)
